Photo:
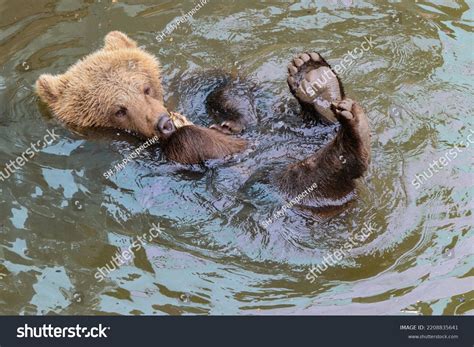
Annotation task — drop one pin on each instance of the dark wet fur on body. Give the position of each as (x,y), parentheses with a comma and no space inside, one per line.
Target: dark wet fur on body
(232,105)
(193,144)
(333,169)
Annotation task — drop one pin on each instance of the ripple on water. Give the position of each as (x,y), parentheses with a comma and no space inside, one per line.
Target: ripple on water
(63,220)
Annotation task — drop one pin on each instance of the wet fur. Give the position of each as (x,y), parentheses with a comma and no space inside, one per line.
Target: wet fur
(334,167)
(232,104)
(192,144)
(86,94)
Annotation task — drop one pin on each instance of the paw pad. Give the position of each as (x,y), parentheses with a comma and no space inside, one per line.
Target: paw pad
(314,84)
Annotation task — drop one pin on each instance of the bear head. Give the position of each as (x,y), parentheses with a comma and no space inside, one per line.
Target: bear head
(119,86)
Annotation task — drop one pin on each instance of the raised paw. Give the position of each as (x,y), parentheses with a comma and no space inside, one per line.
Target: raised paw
(314,84)
(353,118)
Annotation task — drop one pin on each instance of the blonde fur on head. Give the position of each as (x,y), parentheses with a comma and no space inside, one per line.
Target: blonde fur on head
(118,76)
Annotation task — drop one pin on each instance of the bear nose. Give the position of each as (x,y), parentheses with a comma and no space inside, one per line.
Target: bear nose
(165,126)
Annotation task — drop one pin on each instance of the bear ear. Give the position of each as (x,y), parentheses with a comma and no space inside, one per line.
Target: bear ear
(49,88)
(117,40)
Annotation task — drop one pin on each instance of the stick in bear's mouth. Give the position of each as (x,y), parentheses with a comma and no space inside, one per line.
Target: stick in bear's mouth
(179,120)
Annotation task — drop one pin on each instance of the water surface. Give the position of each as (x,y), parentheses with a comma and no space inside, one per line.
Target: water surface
(61,219)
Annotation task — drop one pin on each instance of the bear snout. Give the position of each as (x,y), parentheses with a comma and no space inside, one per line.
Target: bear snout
(165,126)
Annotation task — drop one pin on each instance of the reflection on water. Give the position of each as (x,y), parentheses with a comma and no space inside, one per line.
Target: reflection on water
(60,219)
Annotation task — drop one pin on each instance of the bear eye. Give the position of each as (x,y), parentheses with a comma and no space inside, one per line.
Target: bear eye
(121,112)
(147,91)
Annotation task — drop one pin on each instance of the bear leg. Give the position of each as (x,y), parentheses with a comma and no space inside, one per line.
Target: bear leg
(327,177)
(232,105)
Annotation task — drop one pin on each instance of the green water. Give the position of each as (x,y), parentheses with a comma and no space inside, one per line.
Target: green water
(60,219)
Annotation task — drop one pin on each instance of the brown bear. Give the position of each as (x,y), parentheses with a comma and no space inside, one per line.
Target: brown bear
(119,86)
